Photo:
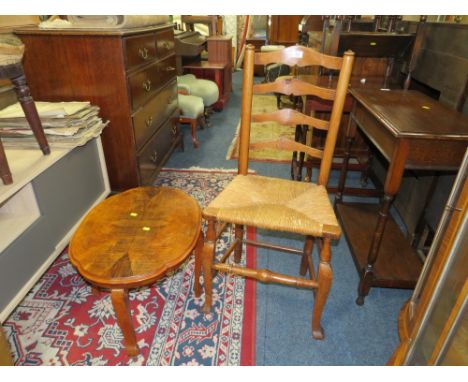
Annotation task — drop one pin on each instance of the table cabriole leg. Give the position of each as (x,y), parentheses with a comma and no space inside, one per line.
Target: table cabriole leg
(122,311)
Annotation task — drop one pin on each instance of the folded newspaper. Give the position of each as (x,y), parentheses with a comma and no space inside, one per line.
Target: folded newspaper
(66,124)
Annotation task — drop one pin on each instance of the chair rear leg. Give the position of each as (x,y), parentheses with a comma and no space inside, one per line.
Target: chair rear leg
(208,255)
(325,277)
(239,235)
(306,260)
(198,264)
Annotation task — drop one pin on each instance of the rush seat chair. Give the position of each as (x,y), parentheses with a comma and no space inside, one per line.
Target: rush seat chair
(280,204)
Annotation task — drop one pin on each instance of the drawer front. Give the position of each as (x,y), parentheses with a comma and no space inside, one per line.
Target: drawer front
(144,85)
(167,69)
(153,154)
(158,109)
(139,50)
(165,43)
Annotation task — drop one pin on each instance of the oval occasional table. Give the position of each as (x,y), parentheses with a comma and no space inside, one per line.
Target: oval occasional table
(132,239)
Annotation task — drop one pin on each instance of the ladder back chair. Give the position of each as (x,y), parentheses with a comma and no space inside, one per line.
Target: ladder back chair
(280,204)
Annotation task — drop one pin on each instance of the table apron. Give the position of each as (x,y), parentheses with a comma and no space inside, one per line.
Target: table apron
(424,154)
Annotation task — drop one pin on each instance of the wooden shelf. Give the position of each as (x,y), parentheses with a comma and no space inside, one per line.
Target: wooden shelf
(17,215)
(397,265)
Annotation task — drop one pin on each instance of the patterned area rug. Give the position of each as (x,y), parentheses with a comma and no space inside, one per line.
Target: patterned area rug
(60,321)
(263,131)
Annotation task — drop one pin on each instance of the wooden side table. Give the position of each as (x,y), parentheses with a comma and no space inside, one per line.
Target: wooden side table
(132,239)
(412,131)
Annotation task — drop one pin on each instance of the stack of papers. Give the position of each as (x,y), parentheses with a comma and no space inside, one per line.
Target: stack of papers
(66,124)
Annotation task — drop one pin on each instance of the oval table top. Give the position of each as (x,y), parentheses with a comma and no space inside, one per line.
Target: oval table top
(134,238)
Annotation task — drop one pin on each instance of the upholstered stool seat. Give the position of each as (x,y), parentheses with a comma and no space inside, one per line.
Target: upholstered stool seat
(192,109)
(206,89)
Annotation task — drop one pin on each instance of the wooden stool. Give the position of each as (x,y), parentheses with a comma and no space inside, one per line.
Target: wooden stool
(191,112)
(11,53)
(133,239)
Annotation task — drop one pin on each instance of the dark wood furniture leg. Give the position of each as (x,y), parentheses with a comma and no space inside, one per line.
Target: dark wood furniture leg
(5,172)
(391,187)
(124,319)
(350,135)
(16,74)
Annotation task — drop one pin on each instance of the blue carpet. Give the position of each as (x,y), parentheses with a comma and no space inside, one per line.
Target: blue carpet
(354,335)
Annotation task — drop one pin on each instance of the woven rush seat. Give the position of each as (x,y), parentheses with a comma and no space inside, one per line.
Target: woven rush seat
(276,204)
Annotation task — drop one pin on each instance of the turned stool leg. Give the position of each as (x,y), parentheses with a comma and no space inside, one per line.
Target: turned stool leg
(122,311)
(325,277)
(207,261)
(30,111)
(193,125)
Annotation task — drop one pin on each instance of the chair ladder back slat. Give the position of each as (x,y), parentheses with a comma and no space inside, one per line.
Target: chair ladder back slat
(246,110)
(291,117)
(298,56)
(286,144)
(335,118)
(295,87)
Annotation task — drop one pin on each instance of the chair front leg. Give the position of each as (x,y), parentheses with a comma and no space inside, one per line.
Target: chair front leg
(324,279)
(208,255)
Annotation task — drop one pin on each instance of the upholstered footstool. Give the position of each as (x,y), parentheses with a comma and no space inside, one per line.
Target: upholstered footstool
(192,112)
(206,89)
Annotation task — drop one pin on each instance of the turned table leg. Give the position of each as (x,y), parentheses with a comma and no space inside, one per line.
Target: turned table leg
(392,185)
(122,311)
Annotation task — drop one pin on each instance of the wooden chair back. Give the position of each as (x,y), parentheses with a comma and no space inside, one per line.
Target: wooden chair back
(294,56)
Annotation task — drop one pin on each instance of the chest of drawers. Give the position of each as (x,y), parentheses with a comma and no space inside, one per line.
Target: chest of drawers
(130,74)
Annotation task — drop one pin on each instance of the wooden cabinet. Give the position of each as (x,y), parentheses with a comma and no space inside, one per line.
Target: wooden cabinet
(130,74)
(284,30)
(218,68)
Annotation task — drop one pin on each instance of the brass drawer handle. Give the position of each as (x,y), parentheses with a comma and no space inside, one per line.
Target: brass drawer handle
(170,69)
(149,121)
(174,130)
(154,157)
(143,53)
(147,85)
(166,45)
